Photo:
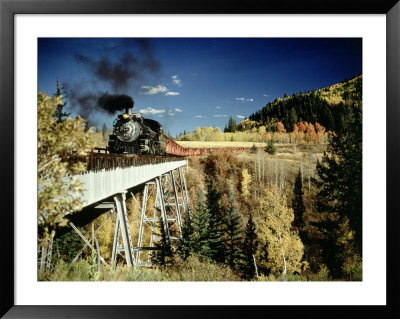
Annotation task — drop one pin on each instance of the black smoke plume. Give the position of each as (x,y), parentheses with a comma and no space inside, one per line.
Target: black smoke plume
(132,62)
(114,102)
(120,74)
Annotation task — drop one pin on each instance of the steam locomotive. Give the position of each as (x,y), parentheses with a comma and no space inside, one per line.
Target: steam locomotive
(133,134)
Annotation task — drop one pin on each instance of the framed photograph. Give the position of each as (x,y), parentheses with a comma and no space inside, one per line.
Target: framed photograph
(42,41)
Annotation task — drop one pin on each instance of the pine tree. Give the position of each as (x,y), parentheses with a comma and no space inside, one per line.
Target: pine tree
(201,222)
(233,233)
(232,126)
(293,117)
(59,114)
(249,249)
(163,254)
(271,149)
(339,199)
(186,245)
(298,204)
(216,244)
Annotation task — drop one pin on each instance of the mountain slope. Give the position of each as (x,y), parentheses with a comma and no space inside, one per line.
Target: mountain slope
(327,106)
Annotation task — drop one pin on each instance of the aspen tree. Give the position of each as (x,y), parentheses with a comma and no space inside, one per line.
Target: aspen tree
(58,144)
(246,180)
(285,249)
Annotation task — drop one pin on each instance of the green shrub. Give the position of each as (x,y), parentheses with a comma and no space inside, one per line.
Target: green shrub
(270,149)
(352,268)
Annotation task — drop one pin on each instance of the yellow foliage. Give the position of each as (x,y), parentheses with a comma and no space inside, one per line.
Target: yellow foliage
(284,246)
(247,125)
(58,190)
(246,180)
(105,236)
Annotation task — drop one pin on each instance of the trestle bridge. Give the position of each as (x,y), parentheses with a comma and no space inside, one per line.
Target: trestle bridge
(109,181)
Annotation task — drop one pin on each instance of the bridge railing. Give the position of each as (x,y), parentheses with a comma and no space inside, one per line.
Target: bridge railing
(100,161)
(102,183)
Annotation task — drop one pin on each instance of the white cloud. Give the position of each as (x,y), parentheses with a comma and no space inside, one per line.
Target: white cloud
(151,90)
(218,107)
(176,80)
(171,113)
(200,116)
(266,95)
(220,115)
(240,116)
(172,93)
(177,110)
(242,99)
(151,110)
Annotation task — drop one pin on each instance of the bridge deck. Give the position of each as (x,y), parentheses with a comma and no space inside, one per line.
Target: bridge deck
(103,183)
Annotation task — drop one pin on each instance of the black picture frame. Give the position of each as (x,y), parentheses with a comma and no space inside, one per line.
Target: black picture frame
(8,10)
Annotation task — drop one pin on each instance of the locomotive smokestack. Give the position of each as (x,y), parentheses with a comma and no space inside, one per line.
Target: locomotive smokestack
(128,110)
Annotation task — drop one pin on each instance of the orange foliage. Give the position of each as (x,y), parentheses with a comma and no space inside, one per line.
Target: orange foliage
(302,126)
(280,128)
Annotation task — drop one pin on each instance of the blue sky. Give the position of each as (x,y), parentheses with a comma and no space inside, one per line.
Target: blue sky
(188,82)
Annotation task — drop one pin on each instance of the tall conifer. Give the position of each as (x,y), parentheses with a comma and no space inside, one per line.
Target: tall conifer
(249,249)
(163,254)
(232,232)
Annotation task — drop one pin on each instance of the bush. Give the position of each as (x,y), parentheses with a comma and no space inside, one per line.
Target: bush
(352,268)
(271,149)
(322,275)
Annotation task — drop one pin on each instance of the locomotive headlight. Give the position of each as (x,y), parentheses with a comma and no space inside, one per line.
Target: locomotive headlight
(125,116)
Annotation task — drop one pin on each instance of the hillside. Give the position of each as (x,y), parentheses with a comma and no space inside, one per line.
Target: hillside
(327,106)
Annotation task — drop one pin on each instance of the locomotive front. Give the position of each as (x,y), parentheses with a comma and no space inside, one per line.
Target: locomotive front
(131,135)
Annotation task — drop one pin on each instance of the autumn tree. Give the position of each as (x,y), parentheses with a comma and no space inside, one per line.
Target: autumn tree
(298,204)
(249,249)
(246,125)
(245,182)
(285,249)
(280,128)
(58,145)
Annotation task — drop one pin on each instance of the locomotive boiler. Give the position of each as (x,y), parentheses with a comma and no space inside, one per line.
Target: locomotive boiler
(133,134)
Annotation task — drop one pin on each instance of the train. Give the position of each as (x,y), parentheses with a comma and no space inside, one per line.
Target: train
(133,134)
